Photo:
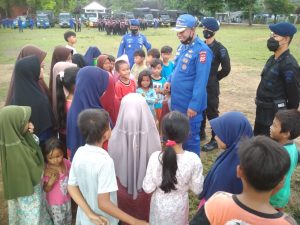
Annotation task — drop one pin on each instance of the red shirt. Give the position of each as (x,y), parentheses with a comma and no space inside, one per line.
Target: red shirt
(123,89)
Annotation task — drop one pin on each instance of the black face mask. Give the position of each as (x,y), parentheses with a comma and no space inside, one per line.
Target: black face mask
(134,31)
(208,34)
(188,40)
(272,44)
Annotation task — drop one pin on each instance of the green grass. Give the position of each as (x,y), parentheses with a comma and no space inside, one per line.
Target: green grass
(246,46)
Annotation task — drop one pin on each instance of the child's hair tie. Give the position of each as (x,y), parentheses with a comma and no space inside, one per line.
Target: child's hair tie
(170,143)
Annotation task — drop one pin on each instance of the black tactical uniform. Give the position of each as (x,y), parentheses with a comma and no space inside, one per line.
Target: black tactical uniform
(220,56)
(278,89)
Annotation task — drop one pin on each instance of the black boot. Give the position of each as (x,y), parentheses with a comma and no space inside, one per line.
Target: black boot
(210,146)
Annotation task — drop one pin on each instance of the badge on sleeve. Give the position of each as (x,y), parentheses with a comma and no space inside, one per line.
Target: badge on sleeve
(183,67)
(202,56)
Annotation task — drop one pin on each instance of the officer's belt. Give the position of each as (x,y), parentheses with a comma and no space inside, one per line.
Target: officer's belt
(266,105)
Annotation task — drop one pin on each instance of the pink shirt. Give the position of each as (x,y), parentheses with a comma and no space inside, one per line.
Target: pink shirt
(59,193)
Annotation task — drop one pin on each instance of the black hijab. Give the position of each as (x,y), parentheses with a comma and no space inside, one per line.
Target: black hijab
(27,92)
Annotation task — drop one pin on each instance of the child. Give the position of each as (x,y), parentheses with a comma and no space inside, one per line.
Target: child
(92,182)
(104,63)
(112,62)
(285,128)
(145,88)
(139,63)
(158,85)
(55,182)
(70,38)
(229,129)
(153,53)
(22,168)
(171,173)
(124,85)
(168,66)
(263,165)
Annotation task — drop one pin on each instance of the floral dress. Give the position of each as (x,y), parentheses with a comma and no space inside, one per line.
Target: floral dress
(173,207)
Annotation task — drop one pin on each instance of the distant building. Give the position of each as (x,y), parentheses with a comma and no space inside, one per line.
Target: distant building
(94,7)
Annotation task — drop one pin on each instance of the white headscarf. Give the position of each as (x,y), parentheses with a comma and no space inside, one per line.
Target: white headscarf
(134,138)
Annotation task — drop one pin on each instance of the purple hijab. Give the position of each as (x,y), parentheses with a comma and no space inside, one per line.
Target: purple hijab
(91,83)
(230,128)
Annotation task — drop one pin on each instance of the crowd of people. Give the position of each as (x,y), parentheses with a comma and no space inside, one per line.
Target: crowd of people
(121,136)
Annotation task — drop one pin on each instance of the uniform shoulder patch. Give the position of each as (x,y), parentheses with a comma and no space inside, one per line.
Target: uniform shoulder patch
(202,56)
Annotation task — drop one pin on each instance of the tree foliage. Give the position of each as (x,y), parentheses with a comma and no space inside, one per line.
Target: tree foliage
(245,5)
(278,7)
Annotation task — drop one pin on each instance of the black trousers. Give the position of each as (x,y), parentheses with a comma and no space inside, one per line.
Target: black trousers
(260,129)
(212,110)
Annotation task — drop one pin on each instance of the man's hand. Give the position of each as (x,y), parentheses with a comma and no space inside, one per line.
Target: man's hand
(191,113)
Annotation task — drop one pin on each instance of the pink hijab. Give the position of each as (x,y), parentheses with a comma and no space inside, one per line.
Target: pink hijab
(134,138)
(58,69)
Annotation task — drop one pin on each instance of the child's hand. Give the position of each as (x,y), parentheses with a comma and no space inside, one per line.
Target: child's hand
(98,220)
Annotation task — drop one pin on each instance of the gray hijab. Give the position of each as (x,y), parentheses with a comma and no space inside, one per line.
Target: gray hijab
(134,138)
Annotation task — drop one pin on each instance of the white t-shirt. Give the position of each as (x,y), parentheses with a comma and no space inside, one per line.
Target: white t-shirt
(72,48)
(93,172)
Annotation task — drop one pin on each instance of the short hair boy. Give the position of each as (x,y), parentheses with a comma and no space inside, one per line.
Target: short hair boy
(94,190)
(139,63)
(263,165)
(153,53)
(70,38)
(285,128)
(168,66)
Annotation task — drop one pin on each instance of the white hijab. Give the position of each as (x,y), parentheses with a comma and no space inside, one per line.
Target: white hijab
(134,138)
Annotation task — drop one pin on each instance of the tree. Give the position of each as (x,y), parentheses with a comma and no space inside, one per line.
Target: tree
(278,7)
(213,6)
(247,5)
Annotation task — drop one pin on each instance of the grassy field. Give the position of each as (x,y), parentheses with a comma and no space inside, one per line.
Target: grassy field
(246,46)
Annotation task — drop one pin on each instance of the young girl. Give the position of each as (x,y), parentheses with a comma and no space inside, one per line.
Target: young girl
(145,88)
(229,129)
(56,181)
(171,173)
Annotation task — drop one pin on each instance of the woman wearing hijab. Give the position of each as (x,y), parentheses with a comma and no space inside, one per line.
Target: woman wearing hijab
(97,81)
(26,92)
(79,60)
(230,128)
(29,50)
(60,54)
(133,139)
(91,54)
(22,167)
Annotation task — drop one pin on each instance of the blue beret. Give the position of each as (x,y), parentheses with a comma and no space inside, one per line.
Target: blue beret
(211,24)
(185,21)
(134,22)
(283,29)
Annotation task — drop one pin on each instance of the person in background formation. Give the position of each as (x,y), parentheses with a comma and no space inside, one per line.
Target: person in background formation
(133,41)
(189,78)
(279,85)
(263,165)
(220,58)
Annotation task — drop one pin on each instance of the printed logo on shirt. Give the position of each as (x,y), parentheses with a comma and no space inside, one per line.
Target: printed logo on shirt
(202,56)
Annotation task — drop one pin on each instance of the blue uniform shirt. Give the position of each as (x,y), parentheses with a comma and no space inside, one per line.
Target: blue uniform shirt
(130,43)
(190,75)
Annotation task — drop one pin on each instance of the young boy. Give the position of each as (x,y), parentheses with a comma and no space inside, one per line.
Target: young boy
(139,63)
(158,85)
(168,66)
(153,53)
(263,165)
(285,128)
(92,181)
(124,85)
(70,38)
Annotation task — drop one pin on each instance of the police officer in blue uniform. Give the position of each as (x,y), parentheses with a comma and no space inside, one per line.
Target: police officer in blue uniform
(188,81)
(278,88)
(220,58)
(133,41)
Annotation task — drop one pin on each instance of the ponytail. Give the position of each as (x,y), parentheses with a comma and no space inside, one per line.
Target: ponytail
(169,168)
(60,99)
